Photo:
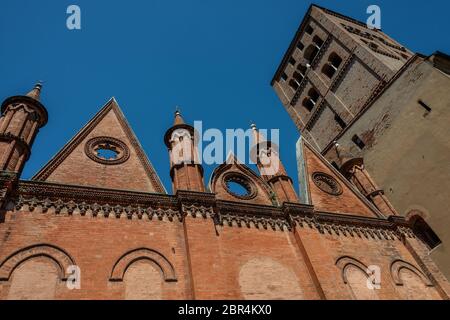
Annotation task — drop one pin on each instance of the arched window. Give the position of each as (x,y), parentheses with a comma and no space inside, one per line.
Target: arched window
(298,76)
(335,60)
(35,279)
(311,100)
(311,52)
(316,40)
(356,276)
(333,64)
(411,282)
(143,281)
(294,84)
(423,231)
(302,69)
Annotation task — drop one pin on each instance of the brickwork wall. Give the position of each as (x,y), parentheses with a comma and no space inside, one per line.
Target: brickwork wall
(325,250)
(210,262)
(96,244)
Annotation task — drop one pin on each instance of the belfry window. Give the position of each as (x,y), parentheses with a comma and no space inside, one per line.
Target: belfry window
(300,45)
(313,49)
(302,69)
(311,52)
(292,61)
(311,100)
(318,41)
(298,77)
(294,84)
(331,67)
(309,29)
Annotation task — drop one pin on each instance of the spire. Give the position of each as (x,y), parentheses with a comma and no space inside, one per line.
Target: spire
(178,118)
(35,93)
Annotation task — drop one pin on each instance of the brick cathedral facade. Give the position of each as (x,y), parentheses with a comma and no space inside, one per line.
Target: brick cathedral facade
(99,205)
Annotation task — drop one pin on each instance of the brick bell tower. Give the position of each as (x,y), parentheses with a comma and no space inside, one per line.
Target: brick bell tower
(21,119)
(185,169)
(271,168)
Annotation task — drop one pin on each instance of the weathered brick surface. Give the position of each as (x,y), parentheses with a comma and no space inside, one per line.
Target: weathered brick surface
(73,166)
(347,202)
(96,244)
(220,263)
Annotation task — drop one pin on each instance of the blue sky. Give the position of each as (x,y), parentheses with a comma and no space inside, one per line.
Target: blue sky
(213,58)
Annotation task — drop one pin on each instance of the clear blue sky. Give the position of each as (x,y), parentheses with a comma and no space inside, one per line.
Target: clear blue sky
(214,58)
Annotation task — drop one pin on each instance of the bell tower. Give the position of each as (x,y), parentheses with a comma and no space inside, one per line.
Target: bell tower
(21,119)
(185,168)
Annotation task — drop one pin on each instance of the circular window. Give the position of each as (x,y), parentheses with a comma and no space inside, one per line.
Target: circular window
(327,183)
(239,186)
(107,150)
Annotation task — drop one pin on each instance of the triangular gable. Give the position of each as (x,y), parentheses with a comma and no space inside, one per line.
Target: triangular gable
(233,169)
(79,163)
(317,178)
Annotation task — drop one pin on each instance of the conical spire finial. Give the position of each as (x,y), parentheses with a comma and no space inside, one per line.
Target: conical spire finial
(35,93)
(178,118)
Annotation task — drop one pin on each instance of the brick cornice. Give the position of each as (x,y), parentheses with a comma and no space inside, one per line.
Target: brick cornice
(68,199)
